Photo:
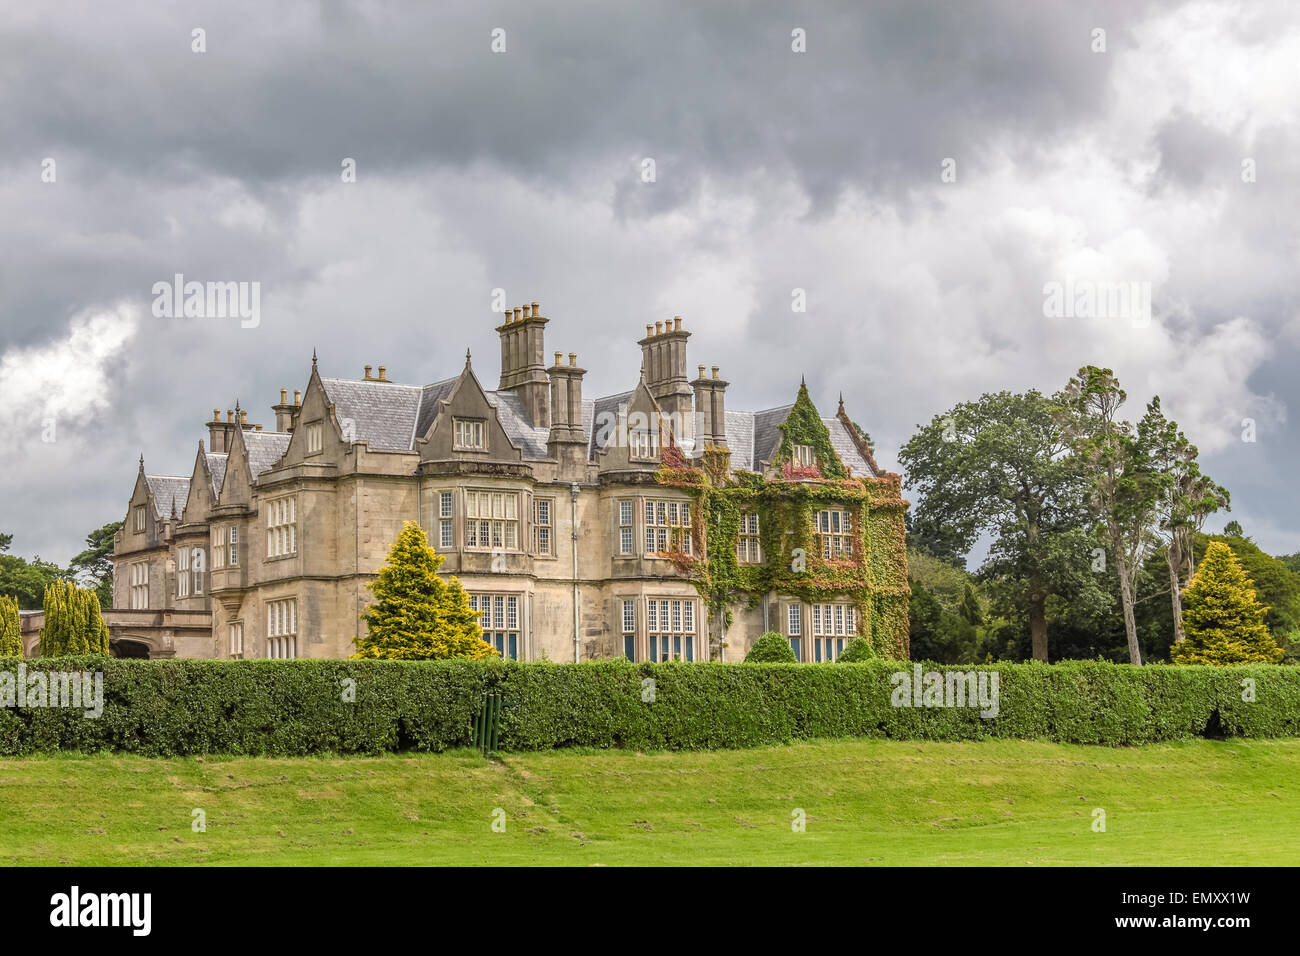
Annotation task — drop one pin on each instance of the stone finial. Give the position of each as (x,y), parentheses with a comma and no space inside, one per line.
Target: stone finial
(313,356)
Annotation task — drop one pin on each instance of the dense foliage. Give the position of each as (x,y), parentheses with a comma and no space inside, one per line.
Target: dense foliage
(771,648)
(298,707)
(11,642)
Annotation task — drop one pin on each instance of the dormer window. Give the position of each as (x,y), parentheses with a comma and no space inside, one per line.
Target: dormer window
(643,444)
(470,434)
(802,456)
(315,438)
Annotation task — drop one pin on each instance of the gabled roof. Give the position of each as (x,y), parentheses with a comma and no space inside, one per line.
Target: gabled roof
(169,493)
(754,438)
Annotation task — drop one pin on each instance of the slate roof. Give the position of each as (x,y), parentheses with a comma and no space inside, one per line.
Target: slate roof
(392,416)
(382,414)
(169,493)
(216,468)
(510,412)
(264,449)
(598,438)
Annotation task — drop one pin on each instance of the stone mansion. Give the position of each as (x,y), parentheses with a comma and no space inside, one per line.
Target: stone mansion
(577,526)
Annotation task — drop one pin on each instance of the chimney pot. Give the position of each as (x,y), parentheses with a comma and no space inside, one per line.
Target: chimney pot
(367,372)
(557,358)
(659,328)
(216,414)
(284,396)
(701,371)
(528,311)
(297,396)
(573,360)
(243,416)
(383,373)
(715,371)
(517,311)
(649,331)
(537,310)
(677,323)
(230,415)
(258,427)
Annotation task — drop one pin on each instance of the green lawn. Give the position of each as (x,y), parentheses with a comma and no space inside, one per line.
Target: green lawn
(866,802)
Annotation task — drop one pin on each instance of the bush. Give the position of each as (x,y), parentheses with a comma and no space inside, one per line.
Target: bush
(856,651)
(771,648)
(299,707)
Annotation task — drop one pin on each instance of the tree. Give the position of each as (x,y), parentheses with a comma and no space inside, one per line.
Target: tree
(25,580)
(1223,620)
(73,623)
(416,615)
(1233,530)
(1001,465)
(1186,498)
(1123,487)
(771,648)
(94,566)
(11,640)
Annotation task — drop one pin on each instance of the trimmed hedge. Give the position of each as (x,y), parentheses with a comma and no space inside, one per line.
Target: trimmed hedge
(292,708)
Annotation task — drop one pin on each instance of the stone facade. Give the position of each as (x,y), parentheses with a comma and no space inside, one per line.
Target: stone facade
(549,507)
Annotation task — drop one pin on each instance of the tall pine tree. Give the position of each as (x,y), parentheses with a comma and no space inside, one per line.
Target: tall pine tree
(1222,617)
(11,642)
(416,615)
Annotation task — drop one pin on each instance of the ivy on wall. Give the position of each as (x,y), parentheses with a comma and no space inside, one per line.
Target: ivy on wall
(873,576)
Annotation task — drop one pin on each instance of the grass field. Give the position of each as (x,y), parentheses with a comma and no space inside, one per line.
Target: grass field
(866,802)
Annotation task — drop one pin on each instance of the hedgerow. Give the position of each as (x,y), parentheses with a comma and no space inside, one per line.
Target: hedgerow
(291,708)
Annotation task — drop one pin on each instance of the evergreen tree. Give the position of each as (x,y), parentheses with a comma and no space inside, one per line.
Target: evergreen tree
(11,642)
(416,615)
(1223,620)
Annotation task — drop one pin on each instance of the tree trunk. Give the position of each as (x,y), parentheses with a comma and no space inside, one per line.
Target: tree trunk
(1175,596)
(1037,620)
(1125,595)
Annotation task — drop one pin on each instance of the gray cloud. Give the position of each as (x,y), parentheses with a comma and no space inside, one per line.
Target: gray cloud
(775,170)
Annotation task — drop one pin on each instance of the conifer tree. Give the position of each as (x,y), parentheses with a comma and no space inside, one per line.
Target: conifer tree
(1222,617)
(416,615)
(11,642)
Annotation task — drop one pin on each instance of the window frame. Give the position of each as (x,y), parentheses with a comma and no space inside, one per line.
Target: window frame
(474,426)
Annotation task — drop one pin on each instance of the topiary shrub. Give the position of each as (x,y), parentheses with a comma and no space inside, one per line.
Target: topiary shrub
(856,651)
(771,648)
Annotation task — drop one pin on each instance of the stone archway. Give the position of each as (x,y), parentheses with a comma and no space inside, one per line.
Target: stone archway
(127,647)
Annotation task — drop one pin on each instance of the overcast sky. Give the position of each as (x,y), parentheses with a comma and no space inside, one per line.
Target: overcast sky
(522,170)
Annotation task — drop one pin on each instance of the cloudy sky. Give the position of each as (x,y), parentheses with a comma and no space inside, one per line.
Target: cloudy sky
(922,171)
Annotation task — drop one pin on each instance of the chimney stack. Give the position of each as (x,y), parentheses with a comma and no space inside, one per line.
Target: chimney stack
(567,444)
(523,363)
(711,409)
(663,355)
(284,412)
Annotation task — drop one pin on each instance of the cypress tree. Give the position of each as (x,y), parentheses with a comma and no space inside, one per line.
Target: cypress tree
(1223,619)
(416,615)
(11,642)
